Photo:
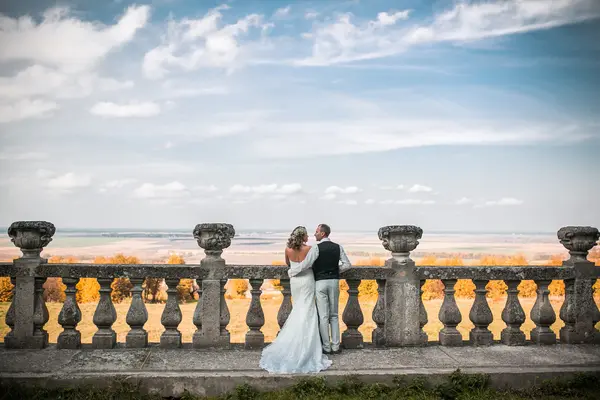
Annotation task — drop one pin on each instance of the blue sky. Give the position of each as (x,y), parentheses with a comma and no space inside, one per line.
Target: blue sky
(463,116)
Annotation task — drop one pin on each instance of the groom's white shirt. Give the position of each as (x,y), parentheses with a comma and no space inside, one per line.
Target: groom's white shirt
(312,256)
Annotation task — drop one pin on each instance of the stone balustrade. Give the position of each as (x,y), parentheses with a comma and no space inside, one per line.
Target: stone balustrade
(399,312)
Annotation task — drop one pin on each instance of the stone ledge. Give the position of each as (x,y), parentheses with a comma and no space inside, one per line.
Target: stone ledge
(214,372)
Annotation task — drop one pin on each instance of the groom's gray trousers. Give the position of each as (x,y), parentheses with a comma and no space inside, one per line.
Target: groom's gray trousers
(327,293)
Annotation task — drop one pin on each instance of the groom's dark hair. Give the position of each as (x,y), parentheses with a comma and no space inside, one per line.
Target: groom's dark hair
(325,229)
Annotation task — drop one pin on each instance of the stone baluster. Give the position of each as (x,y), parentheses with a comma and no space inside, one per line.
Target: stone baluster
(424,338)
(29,309)
(579,240)
(568,333)
(197,319)
(40,314)
(352,317)
(450,316)
(513,316)
(286,305)
(171,317)
(255,318)
(104,317)
(69,317)
(10,314)
(402,319)
(213,238)
(542,315)
(481,316)
(378,335)
(224,337)
(137,316)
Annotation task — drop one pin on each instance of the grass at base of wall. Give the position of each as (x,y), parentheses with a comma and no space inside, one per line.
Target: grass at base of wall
(457,386)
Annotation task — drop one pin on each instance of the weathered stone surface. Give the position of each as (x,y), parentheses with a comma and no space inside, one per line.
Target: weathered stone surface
(214,238)
(137,316)
(224,337)
(215,372)
(69,317)
(402,291)
(400,239)
(378,334)
(31,236)
(211,306)
(197,320)
(104,317)
(450,316)
(255,318)
(568,333)
(40,316)
(579,240)
(496,273)
(542,314)
(286,305)
(187,271)
(171,317)
(353,318)
(422,315)
(481,316)
(513,316)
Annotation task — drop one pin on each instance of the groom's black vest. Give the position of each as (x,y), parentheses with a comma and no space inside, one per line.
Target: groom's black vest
(327,265)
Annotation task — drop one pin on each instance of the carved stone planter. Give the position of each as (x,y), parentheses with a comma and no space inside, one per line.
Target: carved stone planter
(579,240)
(400,240)
(214,238)
(31,236)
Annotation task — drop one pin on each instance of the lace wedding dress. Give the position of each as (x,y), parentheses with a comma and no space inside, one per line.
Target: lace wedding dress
(297,348)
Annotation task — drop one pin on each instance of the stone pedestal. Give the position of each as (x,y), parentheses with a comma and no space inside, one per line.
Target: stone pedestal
(29,310)
(402,289)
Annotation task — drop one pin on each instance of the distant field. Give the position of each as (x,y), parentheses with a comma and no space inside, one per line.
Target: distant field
(239,307)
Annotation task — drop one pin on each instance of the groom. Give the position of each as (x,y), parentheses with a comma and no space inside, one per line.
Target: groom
(325,259)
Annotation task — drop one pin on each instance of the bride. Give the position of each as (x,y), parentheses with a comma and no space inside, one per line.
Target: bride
(297,348)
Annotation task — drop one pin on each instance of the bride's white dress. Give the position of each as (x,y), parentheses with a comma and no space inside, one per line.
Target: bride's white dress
(297,348)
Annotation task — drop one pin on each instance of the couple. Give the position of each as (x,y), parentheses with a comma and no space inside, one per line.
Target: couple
(304,341)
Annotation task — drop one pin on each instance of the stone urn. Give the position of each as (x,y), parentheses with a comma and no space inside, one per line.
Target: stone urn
(579,240)
(31,236)
(214,238)
(400,240)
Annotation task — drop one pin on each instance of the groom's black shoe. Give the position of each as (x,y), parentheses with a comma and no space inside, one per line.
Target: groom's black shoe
(328,353)
(338,351)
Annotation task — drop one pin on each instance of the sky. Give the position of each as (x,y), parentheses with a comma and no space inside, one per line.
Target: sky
(450,115)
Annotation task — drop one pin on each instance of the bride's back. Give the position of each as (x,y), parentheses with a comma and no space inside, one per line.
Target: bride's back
(297,255)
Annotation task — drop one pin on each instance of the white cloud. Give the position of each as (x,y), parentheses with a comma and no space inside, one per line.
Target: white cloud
(340,190)
(131,109)
(282,12)
(463,201)
(170,190)
(311,14)
(26,109)
(370,201)
(329,196)
(115,184)
(348,202)
(505,201)
(64,41)
(419,188)
(284,190)
(68,182)
(414,202)
(191,44)
(206,189)
(43,173)
(344,41)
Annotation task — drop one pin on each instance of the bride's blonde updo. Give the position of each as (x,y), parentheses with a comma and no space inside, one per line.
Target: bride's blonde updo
(296,239)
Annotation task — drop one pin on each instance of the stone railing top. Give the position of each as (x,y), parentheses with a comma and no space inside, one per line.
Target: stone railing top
(525,272)
(183,271)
